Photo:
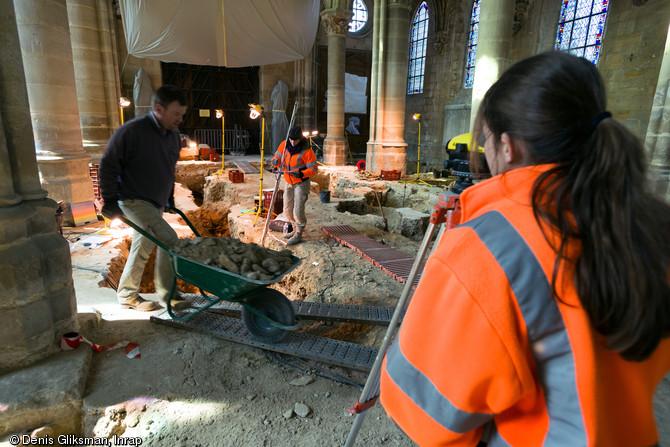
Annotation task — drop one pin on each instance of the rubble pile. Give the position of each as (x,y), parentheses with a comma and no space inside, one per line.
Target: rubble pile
(250,260)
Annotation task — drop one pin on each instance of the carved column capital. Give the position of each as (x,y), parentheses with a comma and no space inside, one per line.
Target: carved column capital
(520,10)
(441,38)
(336,21)
(403,3)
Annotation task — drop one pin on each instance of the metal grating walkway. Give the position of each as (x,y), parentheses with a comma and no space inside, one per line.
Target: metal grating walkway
(335,352)
(392,261)
(311,311)
(246,167)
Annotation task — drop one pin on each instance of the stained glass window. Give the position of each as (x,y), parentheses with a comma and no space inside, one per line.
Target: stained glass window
(581,26)
(417,50)
(472,46)
(360,17)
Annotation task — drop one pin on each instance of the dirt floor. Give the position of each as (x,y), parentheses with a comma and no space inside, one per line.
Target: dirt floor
(192,389)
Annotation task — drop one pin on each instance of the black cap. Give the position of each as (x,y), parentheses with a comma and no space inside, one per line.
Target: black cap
(295,133)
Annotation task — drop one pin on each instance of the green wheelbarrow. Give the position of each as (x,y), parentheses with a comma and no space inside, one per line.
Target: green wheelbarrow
(267,313)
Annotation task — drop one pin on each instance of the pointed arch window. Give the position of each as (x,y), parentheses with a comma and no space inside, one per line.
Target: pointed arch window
(417,50)
(472,46)
(581,26)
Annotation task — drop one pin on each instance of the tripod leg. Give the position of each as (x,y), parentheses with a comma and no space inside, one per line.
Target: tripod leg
(371,388)
(272,207)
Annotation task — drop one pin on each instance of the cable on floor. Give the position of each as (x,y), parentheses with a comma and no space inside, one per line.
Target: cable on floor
(325,373)
(102,272)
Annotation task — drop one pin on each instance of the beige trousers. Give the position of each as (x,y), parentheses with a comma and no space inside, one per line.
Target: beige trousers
(149,218)
(295,197)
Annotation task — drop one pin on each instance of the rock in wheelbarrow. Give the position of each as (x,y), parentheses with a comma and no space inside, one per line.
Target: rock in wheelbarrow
(267,313)
(246,259)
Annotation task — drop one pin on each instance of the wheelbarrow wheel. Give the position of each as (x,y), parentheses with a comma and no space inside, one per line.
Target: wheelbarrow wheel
(274,305)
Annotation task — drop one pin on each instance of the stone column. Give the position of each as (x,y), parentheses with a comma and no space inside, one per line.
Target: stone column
(376,82)
(496,21)
(89,70)
(304,89)
(657,141)
(49,72)
(37,301)
(391,154)
(110,62)
(336,23)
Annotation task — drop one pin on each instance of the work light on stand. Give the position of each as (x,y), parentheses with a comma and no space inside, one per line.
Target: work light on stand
(255,111)
(219,115)
(123,103)
(417,117)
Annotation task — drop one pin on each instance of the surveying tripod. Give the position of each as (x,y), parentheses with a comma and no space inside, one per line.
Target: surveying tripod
(445,215)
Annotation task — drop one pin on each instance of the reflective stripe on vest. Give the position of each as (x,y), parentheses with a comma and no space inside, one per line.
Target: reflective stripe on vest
(286,161)
(548,339)
(299,164)
(423,393)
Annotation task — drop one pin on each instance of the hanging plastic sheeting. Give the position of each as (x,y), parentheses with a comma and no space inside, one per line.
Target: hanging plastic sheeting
(142,93)
(355,99)
(224,33)
(279,120)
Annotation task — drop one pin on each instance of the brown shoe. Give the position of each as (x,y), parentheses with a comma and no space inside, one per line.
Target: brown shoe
(180,304)
(295,239)
(141,304)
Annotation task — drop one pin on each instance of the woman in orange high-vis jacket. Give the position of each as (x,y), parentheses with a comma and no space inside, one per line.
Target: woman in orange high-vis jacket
(297,161)
(543,319)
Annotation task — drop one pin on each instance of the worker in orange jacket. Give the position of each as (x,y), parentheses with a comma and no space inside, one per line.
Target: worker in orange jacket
(544,318)
(297,161)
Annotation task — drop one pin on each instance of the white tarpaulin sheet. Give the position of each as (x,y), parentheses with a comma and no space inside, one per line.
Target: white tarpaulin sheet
(355,99)
(225,33)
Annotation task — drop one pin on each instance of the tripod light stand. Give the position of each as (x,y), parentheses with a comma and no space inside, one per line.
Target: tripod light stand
(255,111)
(219,114)
(417,117)
(123,103)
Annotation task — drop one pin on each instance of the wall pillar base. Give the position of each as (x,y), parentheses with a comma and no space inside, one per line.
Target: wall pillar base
(67,179)
(335,151)
(34,314)
(386,158)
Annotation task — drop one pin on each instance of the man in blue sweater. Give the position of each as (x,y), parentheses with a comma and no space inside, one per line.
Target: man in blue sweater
(137,175)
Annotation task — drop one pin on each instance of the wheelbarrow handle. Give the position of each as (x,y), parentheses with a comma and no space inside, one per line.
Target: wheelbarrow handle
(135,227)
(188,222)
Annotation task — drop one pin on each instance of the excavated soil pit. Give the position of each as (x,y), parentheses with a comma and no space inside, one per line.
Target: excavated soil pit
(209,219)
(190,388)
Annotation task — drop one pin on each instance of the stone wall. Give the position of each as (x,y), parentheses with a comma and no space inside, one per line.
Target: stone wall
(630,61)
(444,104)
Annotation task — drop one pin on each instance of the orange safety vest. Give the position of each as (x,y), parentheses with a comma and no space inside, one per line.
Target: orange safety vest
(304,161)
(485,348)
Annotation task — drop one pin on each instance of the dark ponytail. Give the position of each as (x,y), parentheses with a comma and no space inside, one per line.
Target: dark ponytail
(595,193)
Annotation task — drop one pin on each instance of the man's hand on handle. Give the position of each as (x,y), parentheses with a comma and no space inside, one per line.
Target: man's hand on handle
(110,209)
(170,206)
